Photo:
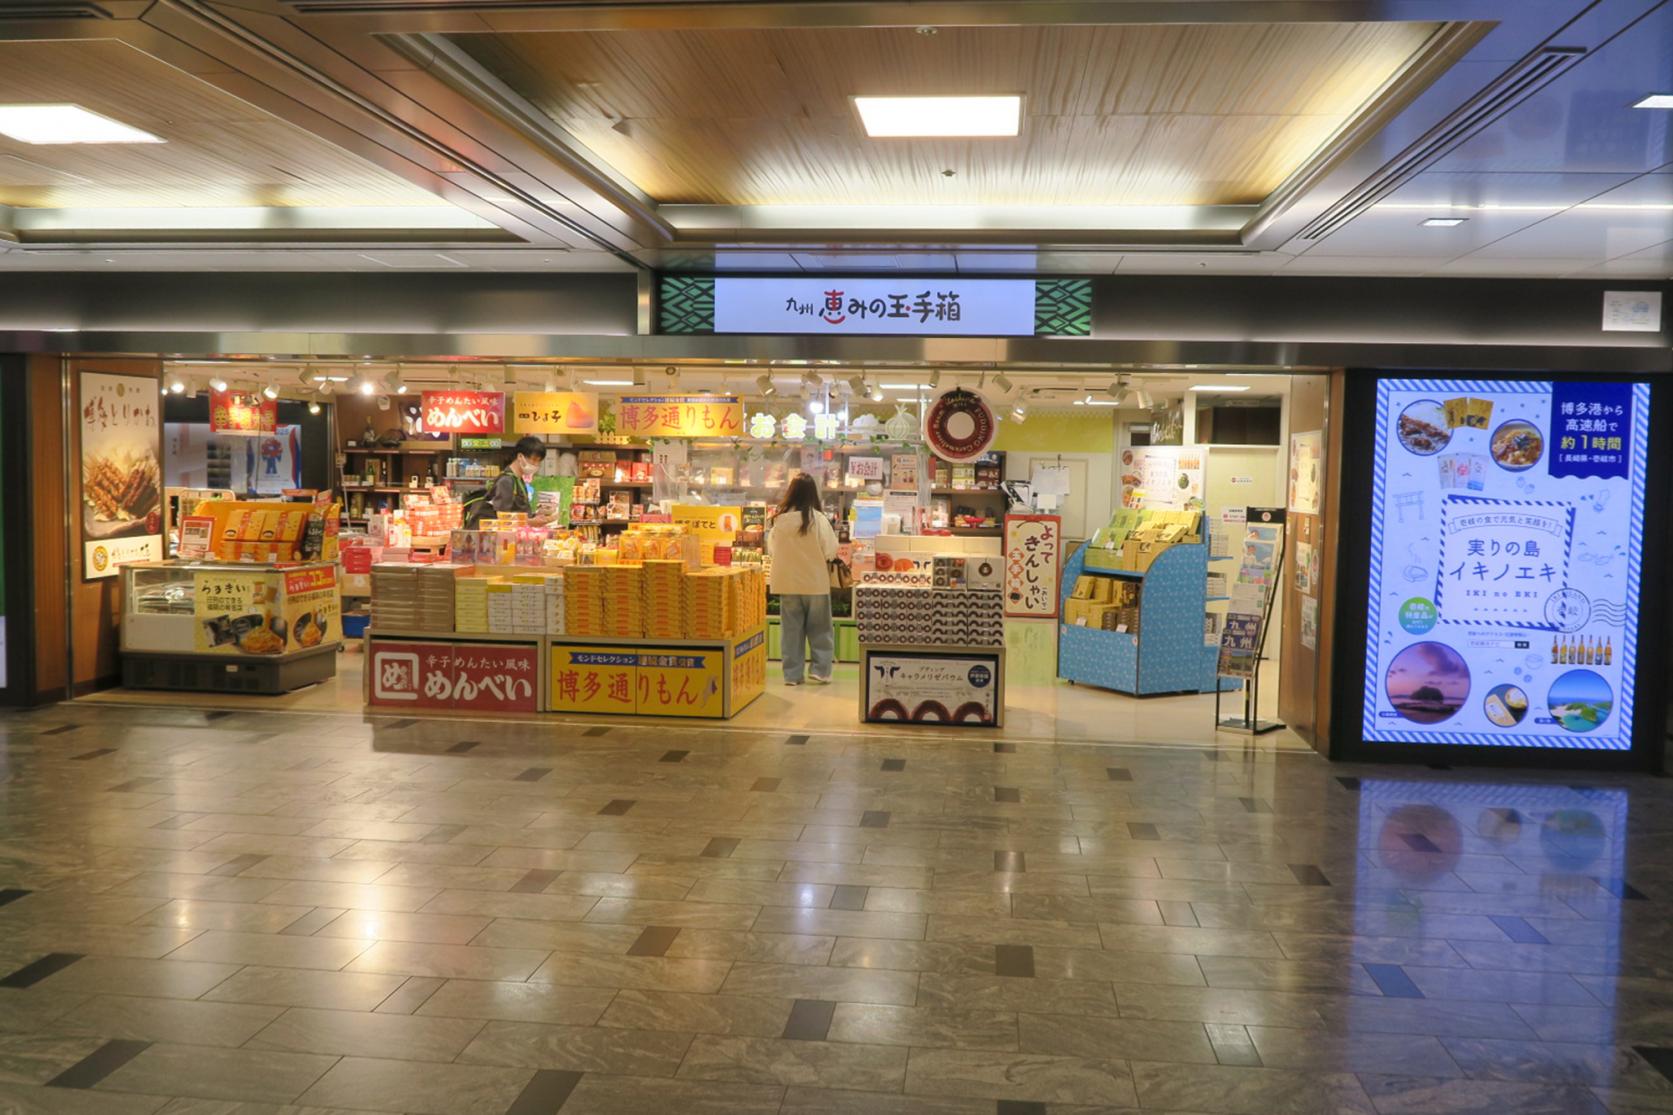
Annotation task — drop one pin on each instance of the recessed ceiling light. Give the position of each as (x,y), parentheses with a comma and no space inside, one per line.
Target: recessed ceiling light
(905,117)
(1444,222)
(1221,388)
(53,124)
(1656,100)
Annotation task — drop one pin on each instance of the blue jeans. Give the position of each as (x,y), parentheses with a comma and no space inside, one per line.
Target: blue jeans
(809,618)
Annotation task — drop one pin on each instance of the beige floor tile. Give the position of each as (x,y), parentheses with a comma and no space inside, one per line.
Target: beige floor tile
(755,948)
(927,1027)
(610,940)
(352,896)
(819,1064)
(578,1048)
(417,1088)
(165,979)
(232,1074)
(849,985)
(409,958)
(1020,1076)
(180,1021)
(242,917)
(1006,993)
(37,1058)
(298,987)
(1115,1038)
(306,869)
(840,923)
(520,1002)
(1249,1091)
(648,973)
(366,926)
(146,943)
(735,1015)
(701,915)
(34,1010)
(825,1101)
(270,950)
(23,1099)
(623,1095)
(357,1034)
(538,907)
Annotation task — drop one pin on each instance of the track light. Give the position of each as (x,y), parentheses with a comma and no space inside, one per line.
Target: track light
(1117,390)
(177,386)
(934,378)
(367,387)
(1144,399)
(313,408)
(218,384)
(876,393)
(811,383)
(270,391)
(400,389)
(857,386)
(764,384)
(1019,411)
(1001,381)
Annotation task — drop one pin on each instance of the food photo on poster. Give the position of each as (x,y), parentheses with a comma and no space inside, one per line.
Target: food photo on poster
(1507,524)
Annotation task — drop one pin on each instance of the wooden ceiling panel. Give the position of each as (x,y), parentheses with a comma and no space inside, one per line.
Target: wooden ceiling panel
(1113,115)
(219,151)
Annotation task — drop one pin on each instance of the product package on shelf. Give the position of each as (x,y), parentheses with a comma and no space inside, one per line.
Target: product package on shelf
(470,604)
(436,595)
(665,608)
(395,596)
(918,615)
(1108,603)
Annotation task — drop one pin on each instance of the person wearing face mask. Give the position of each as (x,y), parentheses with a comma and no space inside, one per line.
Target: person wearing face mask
(512,491)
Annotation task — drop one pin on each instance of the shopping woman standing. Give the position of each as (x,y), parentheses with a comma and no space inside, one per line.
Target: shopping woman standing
(801,545)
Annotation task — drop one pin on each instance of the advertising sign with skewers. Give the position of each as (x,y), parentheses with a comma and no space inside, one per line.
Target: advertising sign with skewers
(121,493)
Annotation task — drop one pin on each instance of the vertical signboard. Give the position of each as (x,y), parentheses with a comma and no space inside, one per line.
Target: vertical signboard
(1507,533)
(1033,565)
(121,491)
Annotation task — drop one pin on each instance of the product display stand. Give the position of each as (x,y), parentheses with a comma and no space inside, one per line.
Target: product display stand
(1167,654)
(943,693)
(1250,722)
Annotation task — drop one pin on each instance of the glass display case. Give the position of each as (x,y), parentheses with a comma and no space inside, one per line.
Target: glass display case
(246,627)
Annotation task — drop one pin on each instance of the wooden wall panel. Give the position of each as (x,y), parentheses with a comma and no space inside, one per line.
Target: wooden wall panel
(1304,675)
(47,516)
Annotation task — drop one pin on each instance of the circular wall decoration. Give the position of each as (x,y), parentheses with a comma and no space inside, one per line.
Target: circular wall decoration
(959,426)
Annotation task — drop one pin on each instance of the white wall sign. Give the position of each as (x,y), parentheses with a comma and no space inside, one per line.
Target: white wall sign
(1632,311)
(945,306)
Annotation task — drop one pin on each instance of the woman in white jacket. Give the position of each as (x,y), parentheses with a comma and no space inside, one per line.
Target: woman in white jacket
(802,544)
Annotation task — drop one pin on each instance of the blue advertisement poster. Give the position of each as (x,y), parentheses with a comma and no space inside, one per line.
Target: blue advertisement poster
(1507,527)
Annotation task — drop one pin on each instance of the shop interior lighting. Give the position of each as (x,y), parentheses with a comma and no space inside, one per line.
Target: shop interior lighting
(314,407)
(1444,222)
(58,124)
(1656,100)
(1094,401)
(764,384)
(1117,390)
(907,386)
(934,378)
(217,384)
(857,385)
(270,391)
(1144,399)
(1003,382)
(367,387)
(608,382)
(1019,411)
(908,117)
(177,386)
(1221,388)
(811,382)
(639,377)
(816,406)
(876,393)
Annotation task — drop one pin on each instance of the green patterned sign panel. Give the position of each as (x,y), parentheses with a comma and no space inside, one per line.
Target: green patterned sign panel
(686,304)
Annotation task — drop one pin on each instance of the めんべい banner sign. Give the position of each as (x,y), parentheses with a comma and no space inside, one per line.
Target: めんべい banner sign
(463,412)
(1507,535)
(680,416)
(945,306)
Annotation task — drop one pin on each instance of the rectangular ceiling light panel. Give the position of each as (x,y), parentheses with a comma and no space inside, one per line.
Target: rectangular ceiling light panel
(924,117)
(57,124)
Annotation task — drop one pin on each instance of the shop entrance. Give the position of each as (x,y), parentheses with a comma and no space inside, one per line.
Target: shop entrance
(1136,489)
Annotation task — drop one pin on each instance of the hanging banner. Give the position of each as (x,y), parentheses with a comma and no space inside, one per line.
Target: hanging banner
(464,412)
(680,416)
(247,413)
(554,412)
(1033,565)
(121,492)
(959,426)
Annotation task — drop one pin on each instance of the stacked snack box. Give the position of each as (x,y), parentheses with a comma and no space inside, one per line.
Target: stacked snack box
(752,604)
(555,624)
(528,604)
(583,600)
(470,604)
(664,587)
(436,595)
(500,613)
(624,601)
(395,597)
(713,596)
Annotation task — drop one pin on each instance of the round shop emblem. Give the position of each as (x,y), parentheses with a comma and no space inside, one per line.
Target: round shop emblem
(1568,609)
(1418,615)
(101,559)
(979,676)
(959,426)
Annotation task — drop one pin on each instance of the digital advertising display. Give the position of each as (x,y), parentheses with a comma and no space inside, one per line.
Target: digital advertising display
(1507,524)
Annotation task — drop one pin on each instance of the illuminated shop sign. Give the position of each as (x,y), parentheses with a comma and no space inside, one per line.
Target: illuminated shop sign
(946,306)
(1507,530)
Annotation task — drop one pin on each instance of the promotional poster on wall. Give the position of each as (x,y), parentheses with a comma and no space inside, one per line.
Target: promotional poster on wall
(1503,611)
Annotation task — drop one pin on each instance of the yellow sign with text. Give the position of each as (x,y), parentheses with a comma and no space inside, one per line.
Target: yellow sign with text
(723,520)
(749,669)
(595,679)
(679,681)
(554,412)
(680,416)
(234,612)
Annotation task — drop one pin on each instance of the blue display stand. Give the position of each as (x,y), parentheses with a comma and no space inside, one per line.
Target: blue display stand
(1167,655)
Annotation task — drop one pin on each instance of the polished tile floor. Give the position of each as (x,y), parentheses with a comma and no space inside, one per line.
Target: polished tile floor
(276,912)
